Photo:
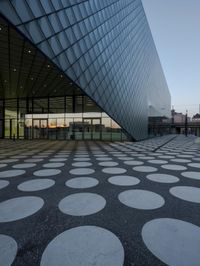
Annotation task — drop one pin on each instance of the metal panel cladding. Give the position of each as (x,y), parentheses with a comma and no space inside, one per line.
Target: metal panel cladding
(105,47)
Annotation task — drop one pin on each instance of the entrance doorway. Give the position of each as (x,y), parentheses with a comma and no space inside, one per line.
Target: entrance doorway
(92,128)
(40,128)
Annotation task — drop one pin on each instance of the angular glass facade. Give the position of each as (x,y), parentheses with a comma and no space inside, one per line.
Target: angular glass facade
(105,48)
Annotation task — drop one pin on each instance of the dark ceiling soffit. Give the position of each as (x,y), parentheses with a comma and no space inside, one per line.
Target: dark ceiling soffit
(29,41)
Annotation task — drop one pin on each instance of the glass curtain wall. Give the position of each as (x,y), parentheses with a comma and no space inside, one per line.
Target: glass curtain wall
(59,118)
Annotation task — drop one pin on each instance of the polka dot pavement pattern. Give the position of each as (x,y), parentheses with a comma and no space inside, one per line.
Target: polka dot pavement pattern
(86,203)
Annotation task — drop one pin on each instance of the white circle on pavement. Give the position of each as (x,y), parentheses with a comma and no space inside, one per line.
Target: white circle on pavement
(124,180)
(84,245)
(23,165)
(141,199)
(4,183)
(157,161)
(153,154)
(133,162)
(58,160)
(174,167)
(187,193)
(47,172)
(82,159)
(193,175)
(19,156)
(185,156)
(81,204)
(82,182)
(36,184)
(81,171)
(8,250)
(173,241)
(188,152)
(33,160)
(166,157)
(163,178)
(9,160)
(196,159)
(39,156)
(114,170)
(53,165)
(81,164)
(145,169)
(19,208)
(108,164)
(3,165)
(196,165)
(172,153)
(11,173)
(180,160)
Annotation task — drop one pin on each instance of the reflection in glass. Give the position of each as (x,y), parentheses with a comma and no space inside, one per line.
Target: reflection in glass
(58,118)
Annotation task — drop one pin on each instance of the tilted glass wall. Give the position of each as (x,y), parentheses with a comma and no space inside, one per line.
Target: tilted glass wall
(61,118)
(105,47)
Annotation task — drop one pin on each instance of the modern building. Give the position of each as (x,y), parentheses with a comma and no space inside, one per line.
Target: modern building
(78,69)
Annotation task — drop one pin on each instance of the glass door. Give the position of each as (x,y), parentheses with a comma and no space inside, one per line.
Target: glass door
(40,128)
(92,128)
(96,128)
(11,128)
(87,125)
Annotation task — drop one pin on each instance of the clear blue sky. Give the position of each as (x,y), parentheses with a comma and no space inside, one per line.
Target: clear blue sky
(175,26)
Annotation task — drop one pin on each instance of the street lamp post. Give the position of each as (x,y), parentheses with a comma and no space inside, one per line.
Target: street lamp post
(186,123)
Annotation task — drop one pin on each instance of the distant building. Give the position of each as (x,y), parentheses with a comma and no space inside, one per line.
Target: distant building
(196,117)
(179,117)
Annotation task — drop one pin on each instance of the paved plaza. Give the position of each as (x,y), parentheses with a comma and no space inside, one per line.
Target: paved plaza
(98,203)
